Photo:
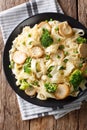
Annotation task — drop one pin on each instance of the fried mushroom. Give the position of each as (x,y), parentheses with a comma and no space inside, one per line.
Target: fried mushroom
(62,91)
(84,69)
(65,30)
(45,25)
(36,52)
(19,57)
(30,91)
(83,50)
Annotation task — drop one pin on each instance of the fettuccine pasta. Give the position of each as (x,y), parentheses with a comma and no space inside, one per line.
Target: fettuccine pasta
(49,60)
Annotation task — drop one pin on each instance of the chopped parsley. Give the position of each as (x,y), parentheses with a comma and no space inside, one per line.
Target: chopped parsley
(58,39)
(47,57)
(23,43)
(11,64)
(80,65)
(37,67)
(62,68)
(75,51)
(46,20)
(56,29)
(35,83)
(58,56)
(50,69)
(29,35)
(49,75)
(81,40)
(30,42)
(61,47)
(85,71)
(66,53)
(65,60)
(51,19)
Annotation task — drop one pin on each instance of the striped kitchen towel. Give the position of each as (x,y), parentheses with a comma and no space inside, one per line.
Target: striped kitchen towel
(9,19)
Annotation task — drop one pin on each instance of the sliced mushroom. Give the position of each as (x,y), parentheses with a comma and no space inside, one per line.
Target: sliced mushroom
(36,52)
(84,69)
(83,50)
(65,30)
(19,57)
(30,91)
(45,25)
(62,91)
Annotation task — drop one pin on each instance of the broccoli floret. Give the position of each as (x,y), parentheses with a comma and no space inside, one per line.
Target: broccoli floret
(28,61)
(27,65)
(81,40)
(75,79)
(11,64)
(50,87)
(27,69)
(46,39)
(49,70)
(24,85)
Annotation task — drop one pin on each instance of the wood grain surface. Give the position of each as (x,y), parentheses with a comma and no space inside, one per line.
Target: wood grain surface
(10,118)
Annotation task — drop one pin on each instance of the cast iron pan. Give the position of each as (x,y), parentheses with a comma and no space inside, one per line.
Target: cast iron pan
(10,77)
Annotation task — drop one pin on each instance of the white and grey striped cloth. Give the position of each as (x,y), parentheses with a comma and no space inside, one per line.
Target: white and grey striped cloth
(9,19)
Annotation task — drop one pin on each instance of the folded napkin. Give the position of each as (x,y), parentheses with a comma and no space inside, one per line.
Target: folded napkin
(9,19)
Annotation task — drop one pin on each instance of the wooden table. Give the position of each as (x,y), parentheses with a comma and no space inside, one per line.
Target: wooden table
(10,118)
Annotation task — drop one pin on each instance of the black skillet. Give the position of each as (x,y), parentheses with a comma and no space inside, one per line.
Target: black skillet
(10,77)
